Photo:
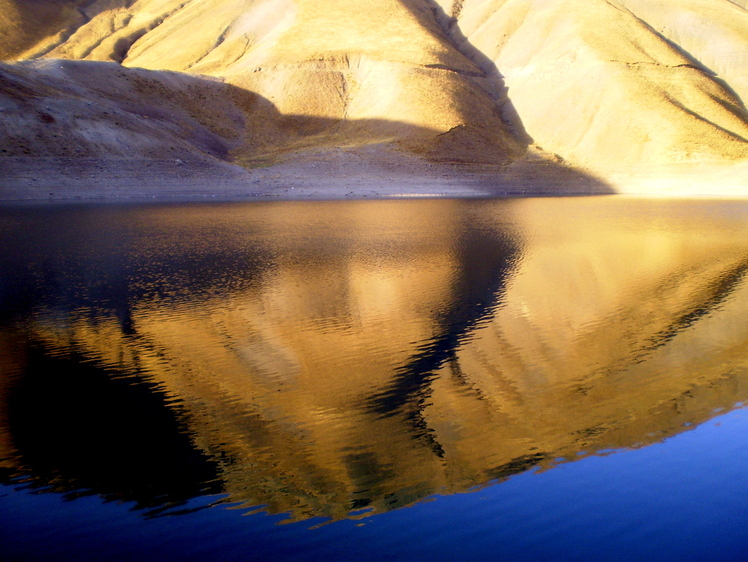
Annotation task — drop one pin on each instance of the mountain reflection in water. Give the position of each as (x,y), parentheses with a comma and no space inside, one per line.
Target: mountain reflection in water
(320,359)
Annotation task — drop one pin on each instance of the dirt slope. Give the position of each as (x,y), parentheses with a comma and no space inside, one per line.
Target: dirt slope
(617,88)
(603,87)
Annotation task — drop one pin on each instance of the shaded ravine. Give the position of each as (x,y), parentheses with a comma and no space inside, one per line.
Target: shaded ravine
(492,81)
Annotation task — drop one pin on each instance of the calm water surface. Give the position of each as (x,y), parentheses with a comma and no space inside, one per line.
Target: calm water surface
(538,379)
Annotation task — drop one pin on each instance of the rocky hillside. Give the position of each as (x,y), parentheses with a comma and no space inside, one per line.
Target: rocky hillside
(605,85)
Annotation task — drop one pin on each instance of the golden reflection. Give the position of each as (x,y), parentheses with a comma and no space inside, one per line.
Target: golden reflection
(337,357)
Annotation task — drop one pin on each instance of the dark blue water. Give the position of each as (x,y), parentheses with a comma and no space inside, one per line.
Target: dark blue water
(415,380)
(683,499)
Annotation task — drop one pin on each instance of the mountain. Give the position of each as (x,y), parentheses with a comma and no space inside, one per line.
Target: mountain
(612,89)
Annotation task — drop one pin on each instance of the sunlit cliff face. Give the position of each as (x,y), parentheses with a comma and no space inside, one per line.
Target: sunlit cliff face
(332,357)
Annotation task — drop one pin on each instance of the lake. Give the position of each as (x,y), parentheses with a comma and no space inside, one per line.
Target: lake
(516,379)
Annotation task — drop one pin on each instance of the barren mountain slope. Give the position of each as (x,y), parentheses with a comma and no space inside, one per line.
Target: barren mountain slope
(29,28)
(714,34)
(375,70)
(100,109)
(609,86)
(602,87)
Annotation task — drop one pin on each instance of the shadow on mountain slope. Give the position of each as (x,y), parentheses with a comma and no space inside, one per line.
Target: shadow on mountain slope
(105,120)
(491,79)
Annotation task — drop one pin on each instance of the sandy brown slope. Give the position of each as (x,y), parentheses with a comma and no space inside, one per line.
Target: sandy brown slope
(387,61)
(92,129)
(31,26)
(100,109)
(713,33)
(601,86)
(611,86)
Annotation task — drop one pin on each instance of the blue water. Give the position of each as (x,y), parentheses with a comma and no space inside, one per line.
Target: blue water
(683,499)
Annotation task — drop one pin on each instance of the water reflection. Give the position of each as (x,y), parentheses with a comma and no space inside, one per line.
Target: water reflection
(325,358)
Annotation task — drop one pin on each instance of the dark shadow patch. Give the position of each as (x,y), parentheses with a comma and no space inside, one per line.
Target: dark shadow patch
(489,78)
(81,429)
(516,466)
